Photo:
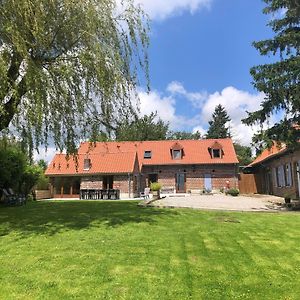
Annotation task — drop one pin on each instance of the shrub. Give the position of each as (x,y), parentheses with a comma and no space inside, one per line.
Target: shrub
(43,183)
(233,192)
(155,186)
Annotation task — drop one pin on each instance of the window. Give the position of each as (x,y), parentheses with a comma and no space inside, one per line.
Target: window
(152,178)
(176,154)
(288,175)
(280,176)
(147,154)
(86,164)
(216,153)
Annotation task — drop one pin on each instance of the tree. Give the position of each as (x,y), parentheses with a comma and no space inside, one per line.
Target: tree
(69,67)
(244,154)
(217,126)
(147,128)
(184,135)
(16,170)
(279,81)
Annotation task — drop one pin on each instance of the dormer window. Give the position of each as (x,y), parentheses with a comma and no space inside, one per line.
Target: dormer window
(216,153)
(177,151)
(148,154)
(176,154)
(216,150)
(86,164)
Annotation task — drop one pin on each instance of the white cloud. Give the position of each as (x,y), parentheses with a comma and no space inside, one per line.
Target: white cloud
(165,106)
(236,103)
(197,99)
(161,9)
(43,154)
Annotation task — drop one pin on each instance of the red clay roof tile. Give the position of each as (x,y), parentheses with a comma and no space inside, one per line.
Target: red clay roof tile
(268,153)
(119,157)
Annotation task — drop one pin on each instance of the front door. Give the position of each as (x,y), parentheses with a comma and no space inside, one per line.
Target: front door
(269,182)
(108,182)
(207,182)
(180,183)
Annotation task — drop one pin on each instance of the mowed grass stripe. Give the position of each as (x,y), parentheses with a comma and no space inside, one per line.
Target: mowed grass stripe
(117,250)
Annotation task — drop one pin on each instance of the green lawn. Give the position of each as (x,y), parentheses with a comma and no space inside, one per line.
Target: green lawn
(116,250)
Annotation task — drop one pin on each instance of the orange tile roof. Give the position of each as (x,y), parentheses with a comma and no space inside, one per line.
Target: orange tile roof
(119,157)
(104,163)
(268,153)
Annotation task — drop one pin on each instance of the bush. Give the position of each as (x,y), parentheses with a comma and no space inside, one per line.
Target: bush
(155,186)
(43,183)
(233,192)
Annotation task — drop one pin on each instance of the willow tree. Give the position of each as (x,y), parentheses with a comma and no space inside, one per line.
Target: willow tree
(280,81)
(69,67)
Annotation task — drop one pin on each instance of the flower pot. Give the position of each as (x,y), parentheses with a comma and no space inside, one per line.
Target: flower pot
(156,195)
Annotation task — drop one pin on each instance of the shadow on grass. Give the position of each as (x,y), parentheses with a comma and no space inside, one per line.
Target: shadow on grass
(50,217)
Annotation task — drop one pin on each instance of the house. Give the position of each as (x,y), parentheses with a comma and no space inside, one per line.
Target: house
(180,166)
(276,171)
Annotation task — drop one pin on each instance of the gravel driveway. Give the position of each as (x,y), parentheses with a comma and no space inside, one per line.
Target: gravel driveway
(223,202)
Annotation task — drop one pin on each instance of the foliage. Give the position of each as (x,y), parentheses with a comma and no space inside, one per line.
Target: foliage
(12,166)
(147,128)
(43,182)
(155,186)
(30,177)
(69,68)
(16,170)
(279,81)
(184,135)
(117,250)
(244,154)
(42,164)
(233,192)
(217,126)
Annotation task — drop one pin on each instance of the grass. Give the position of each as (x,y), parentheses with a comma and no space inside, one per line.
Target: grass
(116,250)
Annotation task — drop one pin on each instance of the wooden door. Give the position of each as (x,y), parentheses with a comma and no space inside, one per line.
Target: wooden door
(180,182)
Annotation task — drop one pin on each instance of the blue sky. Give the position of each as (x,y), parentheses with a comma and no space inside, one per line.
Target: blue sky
(200,55)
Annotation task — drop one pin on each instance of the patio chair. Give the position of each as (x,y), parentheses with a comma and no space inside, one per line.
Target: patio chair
(145,194)
(8,198)
(18,198)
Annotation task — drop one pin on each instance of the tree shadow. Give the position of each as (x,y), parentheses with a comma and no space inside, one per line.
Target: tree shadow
(51,217)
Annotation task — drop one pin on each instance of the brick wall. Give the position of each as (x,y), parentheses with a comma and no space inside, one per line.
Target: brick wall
(194,175)
(292,158)
(90,183)
(122,182)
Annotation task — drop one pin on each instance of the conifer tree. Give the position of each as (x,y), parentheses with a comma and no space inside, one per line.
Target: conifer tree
(217,126)
(279,81)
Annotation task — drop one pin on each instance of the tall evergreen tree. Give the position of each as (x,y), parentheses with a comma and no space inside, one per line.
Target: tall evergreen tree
(280,81)
(217,126)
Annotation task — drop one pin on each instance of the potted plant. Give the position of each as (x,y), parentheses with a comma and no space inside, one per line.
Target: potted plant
(288,197)
(155,188)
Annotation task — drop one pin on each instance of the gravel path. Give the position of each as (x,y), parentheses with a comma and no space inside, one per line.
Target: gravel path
(223,202)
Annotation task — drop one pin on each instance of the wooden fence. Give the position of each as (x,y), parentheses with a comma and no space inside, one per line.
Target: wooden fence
(249,183)
(42,194)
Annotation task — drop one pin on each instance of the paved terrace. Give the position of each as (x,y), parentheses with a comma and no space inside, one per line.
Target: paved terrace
(223,202)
